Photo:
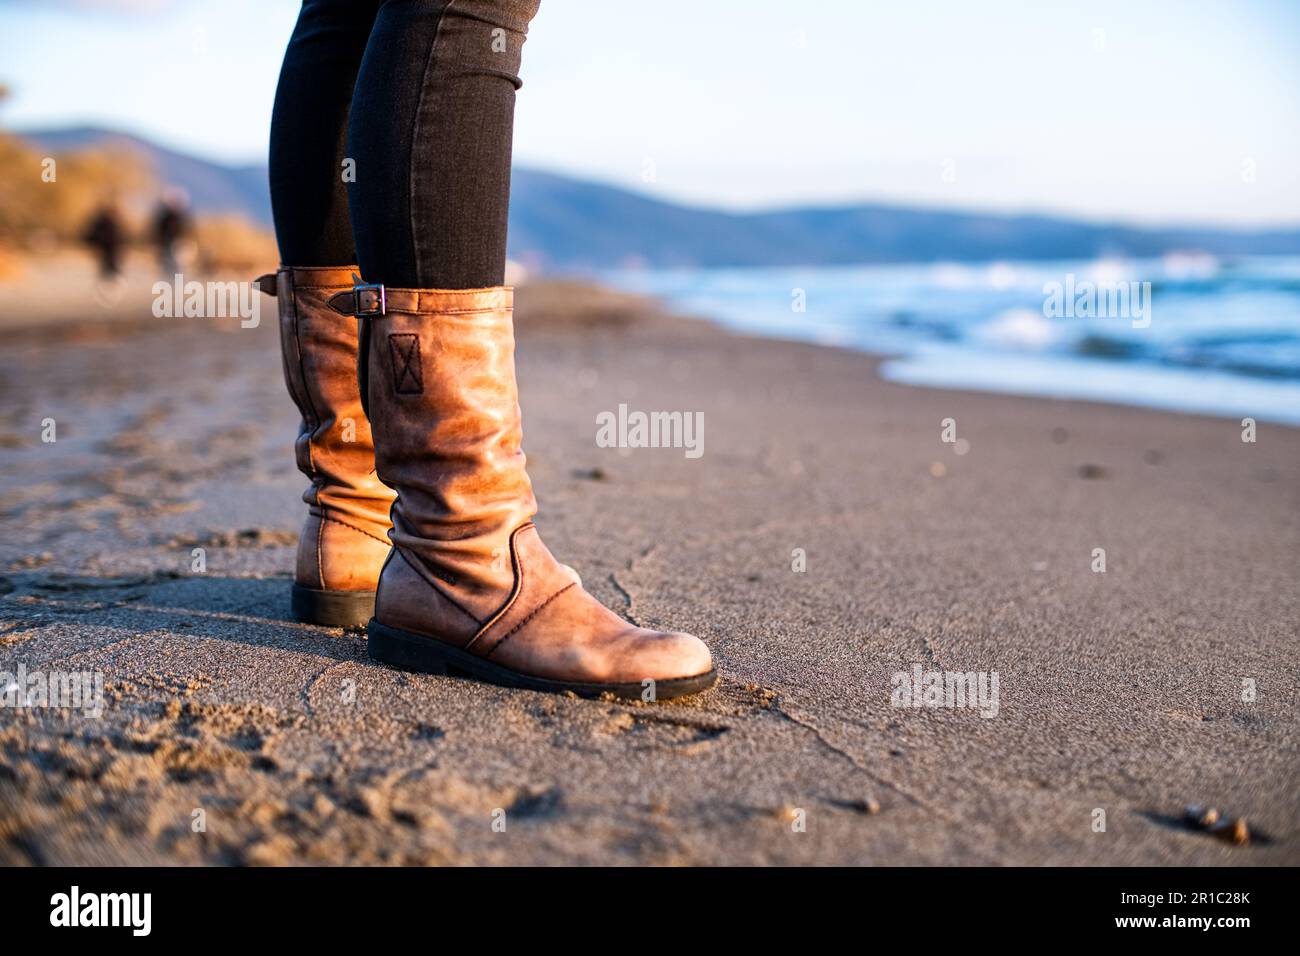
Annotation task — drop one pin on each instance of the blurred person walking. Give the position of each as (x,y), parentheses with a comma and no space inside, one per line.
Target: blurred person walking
(390,179)
(170,223)
(105,236)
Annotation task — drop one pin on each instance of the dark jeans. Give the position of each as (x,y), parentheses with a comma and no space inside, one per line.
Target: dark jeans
(391,135)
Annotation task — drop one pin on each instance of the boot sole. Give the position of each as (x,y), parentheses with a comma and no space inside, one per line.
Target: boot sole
(415,652)
(333,608)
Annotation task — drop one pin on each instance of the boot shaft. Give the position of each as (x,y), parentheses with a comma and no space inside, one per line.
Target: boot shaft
(439,376)
(334,447)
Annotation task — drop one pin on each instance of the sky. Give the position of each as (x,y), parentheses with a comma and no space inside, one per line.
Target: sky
(1148,111)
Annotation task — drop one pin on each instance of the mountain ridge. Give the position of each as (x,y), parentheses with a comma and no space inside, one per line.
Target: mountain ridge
(559,222)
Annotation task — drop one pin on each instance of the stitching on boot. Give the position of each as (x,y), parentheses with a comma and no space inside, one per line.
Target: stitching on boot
(320,560)
(417,311)
(404,350)
(296,306)
(531,614)
(517,567)
(353,527)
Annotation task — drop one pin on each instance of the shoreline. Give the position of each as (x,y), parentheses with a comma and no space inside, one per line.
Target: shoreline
(986,327)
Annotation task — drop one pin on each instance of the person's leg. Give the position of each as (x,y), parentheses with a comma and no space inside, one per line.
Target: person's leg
(344,539)
(308,131)
(432,122)
(469,585)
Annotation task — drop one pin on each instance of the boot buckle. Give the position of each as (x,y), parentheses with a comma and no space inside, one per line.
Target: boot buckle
(370,298)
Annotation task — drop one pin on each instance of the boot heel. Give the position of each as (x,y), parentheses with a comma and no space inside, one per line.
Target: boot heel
(333,608)
(398,649)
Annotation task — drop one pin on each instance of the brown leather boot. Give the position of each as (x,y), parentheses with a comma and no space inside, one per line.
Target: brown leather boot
(344,540)
(470,586)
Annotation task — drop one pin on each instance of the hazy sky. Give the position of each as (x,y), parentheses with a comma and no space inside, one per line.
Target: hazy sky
(1144,110)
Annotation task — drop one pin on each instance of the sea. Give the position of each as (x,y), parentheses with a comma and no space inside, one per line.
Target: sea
(1185,332)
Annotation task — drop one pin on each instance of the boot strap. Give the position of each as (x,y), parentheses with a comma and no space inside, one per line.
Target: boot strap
(372,299)
(362,300)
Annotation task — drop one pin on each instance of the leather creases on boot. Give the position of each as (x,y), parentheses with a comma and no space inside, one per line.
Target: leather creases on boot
(470,585)
(344,539)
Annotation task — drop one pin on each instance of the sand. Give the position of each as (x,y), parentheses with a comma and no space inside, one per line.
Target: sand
(231,734)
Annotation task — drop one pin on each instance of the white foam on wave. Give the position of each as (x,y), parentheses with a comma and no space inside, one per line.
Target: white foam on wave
(1019,329)
(1198,391)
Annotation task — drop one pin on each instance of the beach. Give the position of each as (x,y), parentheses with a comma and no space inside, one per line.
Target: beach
(826,540)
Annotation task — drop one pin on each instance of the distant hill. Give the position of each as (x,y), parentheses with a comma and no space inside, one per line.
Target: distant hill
(570,224)
(212,186)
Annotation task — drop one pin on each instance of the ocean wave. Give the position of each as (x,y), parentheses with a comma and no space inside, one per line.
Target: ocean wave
(1205,324)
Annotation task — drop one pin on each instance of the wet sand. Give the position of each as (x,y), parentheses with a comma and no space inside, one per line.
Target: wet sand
(1120,691)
